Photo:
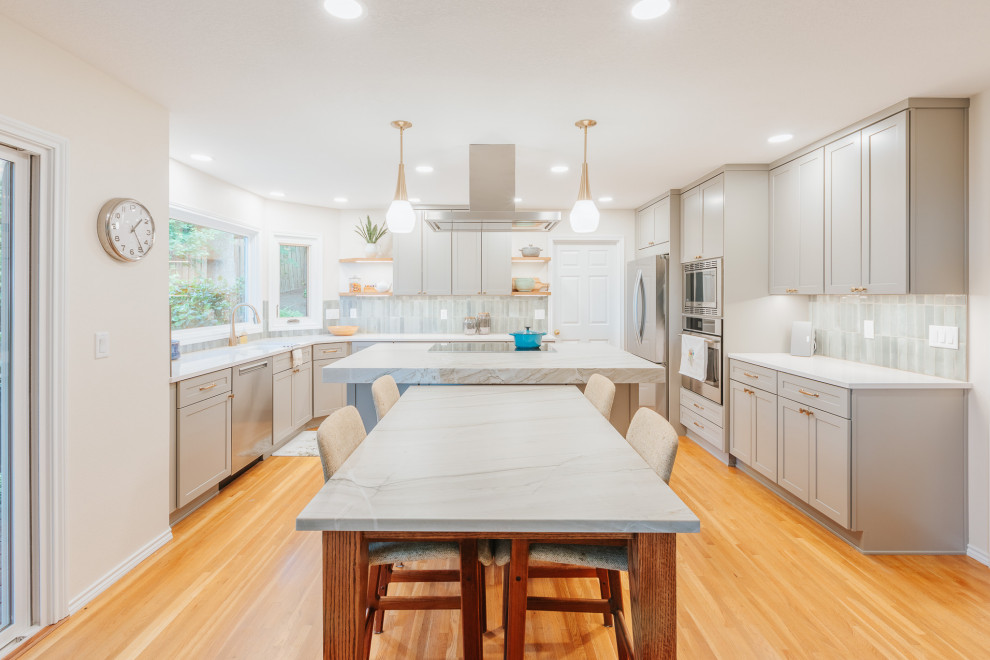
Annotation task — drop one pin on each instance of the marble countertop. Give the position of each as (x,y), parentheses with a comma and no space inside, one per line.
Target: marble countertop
(851,375)
(496,459)
(570,363)
(202,362)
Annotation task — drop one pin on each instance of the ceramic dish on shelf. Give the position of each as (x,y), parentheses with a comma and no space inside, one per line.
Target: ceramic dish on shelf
(342,330)
(531,251)
(523,283)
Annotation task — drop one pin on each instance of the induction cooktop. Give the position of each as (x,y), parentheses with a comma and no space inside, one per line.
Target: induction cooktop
(486,347)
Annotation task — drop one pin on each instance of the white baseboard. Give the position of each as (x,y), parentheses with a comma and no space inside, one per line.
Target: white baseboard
(977,554)
(120,571)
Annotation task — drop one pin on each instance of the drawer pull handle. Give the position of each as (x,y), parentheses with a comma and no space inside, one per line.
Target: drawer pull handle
(807,412)
(296,370)
(748,391)
(791,291)
(749,375)
(697,406)
(814,394)
(698,425)
(208,387)
(334,350)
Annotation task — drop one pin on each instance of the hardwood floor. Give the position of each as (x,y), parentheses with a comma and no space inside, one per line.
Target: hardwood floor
(760,581)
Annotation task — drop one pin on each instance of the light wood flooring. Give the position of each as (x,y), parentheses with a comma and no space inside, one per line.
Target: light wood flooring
(760,581)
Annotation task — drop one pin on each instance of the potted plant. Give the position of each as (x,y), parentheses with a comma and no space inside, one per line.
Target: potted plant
(371,233)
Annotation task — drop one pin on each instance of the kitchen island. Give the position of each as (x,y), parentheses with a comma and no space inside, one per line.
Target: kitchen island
(564,363)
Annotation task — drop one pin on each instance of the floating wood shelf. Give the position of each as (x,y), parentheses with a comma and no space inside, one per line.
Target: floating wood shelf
(530,260)
(365,293)
(531,293)
(367,260)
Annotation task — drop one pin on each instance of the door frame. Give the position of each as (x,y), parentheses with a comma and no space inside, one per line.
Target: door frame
(49,157)
(620,272)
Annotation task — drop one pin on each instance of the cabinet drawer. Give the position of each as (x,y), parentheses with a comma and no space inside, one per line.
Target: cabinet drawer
(701,406)
(750,374)
(701,427)
(283,361)
(200,388)
(326,351)
(814,394)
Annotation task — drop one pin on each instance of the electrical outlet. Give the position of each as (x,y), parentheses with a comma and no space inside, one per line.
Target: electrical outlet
(868,329)
(443,315)
(354,313)
(102,345)
(943,336)
(539,314)
(333,314)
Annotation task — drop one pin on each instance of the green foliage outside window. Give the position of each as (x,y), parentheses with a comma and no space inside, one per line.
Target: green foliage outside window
(206,274)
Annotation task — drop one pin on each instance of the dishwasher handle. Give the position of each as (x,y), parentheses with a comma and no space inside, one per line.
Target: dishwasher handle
(252,367)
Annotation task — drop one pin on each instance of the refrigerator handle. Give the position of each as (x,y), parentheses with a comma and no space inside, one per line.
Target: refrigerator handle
(639,307)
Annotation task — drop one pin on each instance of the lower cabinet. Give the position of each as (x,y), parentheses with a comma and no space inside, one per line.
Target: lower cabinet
(302,394)
(753,428)
(292,400)
(327,397)
(202,450)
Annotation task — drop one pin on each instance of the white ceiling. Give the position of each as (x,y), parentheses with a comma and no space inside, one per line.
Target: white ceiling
(285,97)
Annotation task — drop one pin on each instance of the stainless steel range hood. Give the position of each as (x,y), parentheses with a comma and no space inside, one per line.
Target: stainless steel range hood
(492,191)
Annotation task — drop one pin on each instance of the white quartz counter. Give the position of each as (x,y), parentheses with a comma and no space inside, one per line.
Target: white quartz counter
(202,362)
(569,364)
(851,375)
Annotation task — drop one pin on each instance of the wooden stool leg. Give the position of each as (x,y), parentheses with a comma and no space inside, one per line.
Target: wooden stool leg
(623,644)
(374,578)
(515,625)
(505,595)
(470,609)
(483,596)
(603,588)
(384,579)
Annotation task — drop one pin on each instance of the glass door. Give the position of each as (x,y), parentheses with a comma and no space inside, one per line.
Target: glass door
(15,387)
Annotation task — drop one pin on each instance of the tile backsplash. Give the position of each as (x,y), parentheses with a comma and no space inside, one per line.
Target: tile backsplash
(900,327)
(412,314)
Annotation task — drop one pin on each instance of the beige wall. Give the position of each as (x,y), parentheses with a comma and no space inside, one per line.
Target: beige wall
(978,458)
(116,490)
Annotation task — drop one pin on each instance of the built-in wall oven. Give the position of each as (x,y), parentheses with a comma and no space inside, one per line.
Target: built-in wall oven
(703,288)
(710,331)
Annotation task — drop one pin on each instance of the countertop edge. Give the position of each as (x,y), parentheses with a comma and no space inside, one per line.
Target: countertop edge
(937,383)
(499,526)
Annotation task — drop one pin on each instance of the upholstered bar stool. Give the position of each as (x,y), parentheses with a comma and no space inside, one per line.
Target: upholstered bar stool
(385,393)
(656,441)
(338,436)
(601,392)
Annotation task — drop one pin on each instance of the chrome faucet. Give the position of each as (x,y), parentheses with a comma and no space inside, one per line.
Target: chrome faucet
(233,320)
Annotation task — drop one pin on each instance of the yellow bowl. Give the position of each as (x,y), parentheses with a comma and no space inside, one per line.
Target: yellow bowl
(342,330)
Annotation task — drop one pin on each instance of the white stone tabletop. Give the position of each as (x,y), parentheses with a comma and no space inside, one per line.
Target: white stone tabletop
(509,459)
(848,374)
(570,363)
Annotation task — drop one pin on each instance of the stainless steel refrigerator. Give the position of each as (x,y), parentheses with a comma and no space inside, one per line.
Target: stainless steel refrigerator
(646,315)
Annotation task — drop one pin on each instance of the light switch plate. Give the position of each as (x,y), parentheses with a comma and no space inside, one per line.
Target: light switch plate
(868,329)
(943,336)
(102,345)
(333,314)
(539,314)
(443,315)
(354,313)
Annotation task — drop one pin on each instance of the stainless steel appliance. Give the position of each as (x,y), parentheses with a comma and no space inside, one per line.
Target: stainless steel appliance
(251,413)
(703,288)
(710,330)
(646,326)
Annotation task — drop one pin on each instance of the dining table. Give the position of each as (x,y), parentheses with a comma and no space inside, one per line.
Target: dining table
(522,462)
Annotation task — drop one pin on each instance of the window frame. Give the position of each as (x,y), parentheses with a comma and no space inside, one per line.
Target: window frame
(314,284)
(252,273)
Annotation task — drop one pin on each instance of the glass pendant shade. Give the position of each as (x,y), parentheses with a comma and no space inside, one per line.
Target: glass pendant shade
(584,216)
(400,217)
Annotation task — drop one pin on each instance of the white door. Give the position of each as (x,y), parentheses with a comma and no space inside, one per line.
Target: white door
(586,292)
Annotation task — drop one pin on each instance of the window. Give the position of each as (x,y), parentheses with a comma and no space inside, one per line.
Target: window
(295,288)
(209,272)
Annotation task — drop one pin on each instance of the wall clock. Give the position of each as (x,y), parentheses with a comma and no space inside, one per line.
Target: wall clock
(126,229)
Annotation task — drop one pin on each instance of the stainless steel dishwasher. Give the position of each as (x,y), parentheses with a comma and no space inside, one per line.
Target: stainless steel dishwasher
(251,415)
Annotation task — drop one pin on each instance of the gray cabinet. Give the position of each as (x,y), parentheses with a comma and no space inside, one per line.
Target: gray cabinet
(653,227)
(421,261)
(797,225)
(702,220)
(202,446)
(885,206)
(644,228)
(793,445)
(302,394)
(281,406)
(436,261)
(753,428)
(496,263)
(843,215)
(466,263)
(691,229)
(327,397)
(292,394)
(831,482)
(742,422)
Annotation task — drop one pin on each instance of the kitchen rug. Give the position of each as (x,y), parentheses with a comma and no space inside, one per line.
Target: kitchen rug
(303,444)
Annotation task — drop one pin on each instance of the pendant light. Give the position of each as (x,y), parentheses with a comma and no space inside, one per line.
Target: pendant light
(400,217)
(584,214)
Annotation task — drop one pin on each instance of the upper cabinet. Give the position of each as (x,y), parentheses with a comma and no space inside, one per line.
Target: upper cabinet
(421,261)
(702,219)
(653,227)
(797,225)
(460,263)
(496,263)
(893,198)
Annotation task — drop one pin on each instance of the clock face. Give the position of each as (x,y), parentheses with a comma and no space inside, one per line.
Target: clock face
(127,230)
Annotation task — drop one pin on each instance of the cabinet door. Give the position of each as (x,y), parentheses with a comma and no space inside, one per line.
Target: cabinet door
(793,444)
(885,206)
(785,228)
(830,485)
(436,262)
(407,262)
(327,397)
(496,263)
(302,394)
(765,434)
(202,447)
(742,421)
(712,217)
(843,215)
(691,235)
(465,263)
(661,221)
(644,228)
(281,405)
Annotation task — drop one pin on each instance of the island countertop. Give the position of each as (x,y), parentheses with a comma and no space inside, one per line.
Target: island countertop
(568,364)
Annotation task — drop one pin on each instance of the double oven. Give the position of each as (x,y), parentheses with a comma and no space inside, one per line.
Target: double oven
(702,318)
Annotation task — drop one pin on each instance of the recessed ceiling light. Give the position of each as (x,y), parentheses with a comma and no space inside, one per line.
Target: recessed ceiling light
(340,200)
(346,9)
(783,137)
(414,199)
(559,168)
(424,169)
(203,158)
(277,193)
(604,199)
(644,10)
(517,199)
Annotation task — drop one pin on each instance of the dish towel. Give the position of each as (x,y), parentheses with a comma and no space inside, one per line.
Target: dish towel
(694,357)
(296,357)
